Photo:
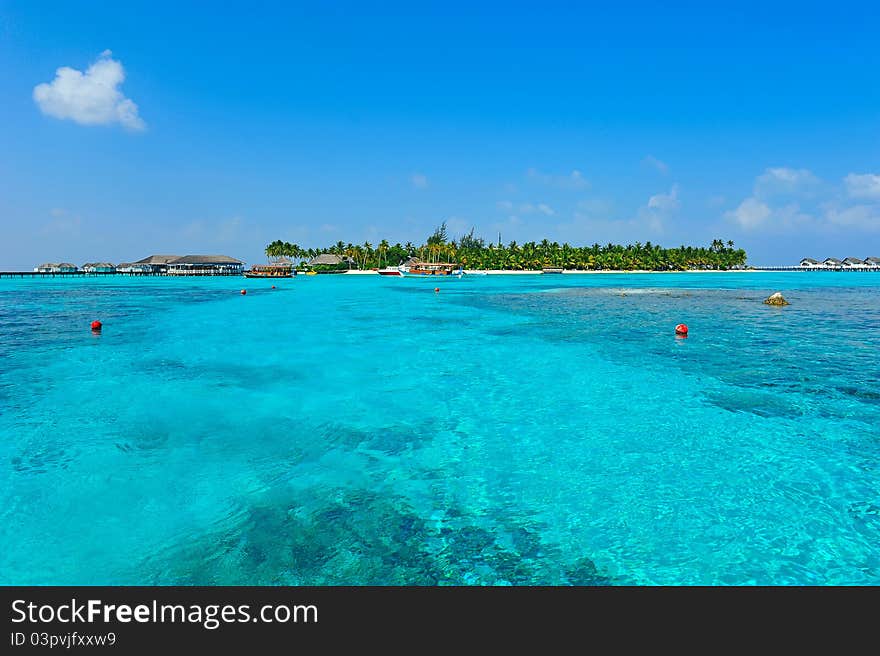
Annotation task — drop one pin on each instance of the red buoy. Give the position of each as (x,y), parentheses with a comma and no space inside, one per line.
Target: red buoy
(436,289)
(273,286)
(681,329)
(96,326)
(243,292)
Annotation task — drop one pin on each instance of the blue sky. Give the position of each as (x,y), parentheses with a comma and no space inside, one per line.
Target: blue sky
(181,129)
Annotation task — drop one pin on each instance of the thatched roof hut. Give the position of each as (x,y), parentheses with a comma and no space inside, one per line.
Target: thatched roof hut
(158,259)
(326,259)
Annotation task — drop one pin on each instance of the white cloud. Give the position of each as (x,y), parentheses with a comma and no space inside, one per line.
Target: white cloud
(782,180)
(865,185)
(754,213)
(653,162)
(751,213)
(504,205)
(540,208)
(574,180)
(658,209)
(779,193)
(866,217)
(665,202)
(90,98)
(419,181)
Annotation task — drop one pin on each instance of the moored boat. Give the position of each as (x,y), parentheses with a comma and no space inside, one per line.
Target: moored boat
(270,271)
(435,269)
(390,271)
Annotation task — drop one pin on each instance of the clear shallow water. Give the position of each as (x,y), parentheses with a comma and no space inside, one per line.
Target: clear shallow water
(511,429)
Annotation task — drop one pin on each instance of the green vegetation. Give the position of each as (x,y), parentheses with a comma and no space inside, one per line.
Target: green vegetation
(474,253)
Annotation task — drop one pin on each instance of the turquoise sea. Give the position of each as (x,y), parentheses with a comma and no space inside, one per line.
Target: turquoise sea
(506,430)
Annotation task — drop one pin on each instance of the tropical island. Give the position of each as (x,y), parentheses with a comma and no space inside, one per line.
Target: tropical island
(474,253)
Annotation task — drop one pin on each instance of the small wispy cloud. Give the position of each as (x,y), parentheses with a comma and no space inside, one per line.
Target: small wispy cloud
(419,181)
(656,164)
(572,181)
(90,98)
(665,202)
(659,208)
(504,205)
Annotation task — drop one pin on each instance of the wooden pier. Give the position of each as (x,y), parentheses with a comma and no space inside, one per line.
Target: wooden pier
(847,269)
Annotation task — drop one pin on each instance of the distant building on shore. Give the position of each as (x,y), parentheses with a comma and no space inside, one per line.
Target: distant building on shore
(99,267)
(331,259)
(184,265)
(133,267)
(325,259)
(53,267)
(158,263)
(205,265)
(869,263)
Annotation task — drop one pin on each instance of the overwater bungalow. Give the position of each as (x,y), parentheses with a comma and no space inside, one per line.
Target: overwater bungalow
(99,267)
(811,263)
(133,267)
(832,262)
(853,262)
(205,265)
(53,267)
(872,262)
(158,263)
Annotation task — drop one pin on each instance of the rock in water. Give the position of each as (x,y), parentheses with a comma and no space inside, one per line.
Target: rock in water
(776,299)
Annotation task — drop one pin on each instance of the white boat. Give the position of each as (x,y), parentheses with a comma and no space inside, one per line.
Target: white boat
(390,271)
(434,269)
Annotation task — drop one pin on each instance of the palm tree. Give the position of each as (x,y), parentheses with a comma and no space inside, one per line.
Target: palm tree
(383,250)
